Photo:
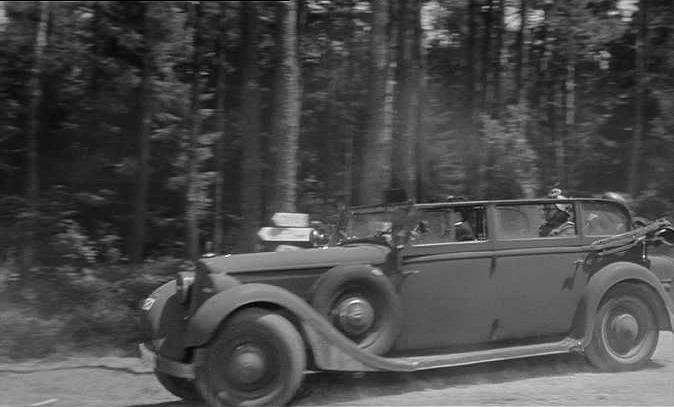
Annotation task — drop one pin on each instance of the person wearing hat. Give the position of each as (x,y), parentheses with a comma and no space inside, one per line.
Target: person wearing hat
(463,230)
(558,217)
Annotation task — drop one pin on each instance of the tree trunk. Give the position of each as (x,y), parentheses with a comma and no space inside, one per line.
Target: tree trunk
(486,99)
(522,53)
(498,52)
(287,132)
(570,107)
(375,168)
(348,132)
(251,163)
(473,143)
(405,137)
(522,70)
(192,216)
(145,115)
(33,182)
(218,218)
(640,90)
(422,166)
(334,123)
(550,93)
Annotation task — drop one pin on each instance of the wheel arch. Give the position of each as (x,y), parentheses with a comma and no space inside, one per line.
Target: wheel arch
(607,279)
(374,281)
(279,308)
(215,312)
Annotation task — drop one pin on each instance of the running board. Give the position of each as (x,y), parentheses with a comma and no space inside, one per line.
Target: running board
(492,355)
(346,356)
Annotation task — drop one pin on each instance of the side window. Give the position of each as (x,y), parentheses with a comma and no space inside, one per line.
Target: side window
(515,222)
(536,221)
(603,218)
(446,225)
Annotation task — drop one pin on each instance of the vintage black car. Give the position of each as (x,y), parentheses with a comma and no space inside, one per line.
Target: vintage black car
(415,286)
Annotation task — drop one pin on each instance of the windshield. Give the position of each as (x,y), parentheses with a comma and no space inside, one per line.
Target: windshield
(365,225)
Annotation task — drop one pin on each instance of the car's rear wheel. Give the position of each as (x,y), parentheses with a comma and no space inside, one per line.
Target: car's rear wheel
(625,332)
(183,388)
(257,359)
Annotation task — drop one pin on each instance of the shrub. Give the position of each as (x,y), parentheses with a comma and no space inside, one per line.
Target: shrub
(26,335)
(67,309)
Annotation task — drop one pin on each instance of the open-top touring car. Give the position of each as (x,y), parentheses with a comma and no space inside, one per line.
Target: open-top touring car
(415,286)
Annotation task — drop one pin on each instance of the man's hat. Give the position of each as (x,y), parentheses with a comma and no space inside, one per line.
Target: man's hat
(556,193)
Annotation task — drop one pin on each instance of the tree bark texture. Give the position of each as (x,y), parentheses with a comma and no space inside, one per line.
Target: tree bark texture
(287,132)
(33,181)
(376,164)
(472,159)
(145,116)
(251,163)
(497,63)
(639,93)
(570,107)
(219,193)
(422,166)
(404,174)
(486,98)
(522,53)
(348,126)
(551,167)
(192,216)
(286,137)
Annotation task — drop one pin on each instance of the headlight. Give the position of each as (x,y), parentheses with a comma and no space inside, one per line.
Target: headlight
(183,284)
(146,304)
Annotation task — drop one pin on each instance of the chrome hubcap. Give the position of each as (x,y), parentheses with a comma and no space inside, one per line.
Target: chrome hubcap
(625,327)
(248,364)
(355,315)
(622,334)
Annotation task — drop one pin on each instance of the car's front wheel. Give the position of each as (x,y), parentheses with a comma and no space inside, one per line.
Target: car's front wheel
(625,332)
(257,359)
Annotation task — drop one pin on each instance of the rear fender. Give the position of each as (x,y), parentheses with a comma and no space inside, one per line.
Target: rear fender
(602,281)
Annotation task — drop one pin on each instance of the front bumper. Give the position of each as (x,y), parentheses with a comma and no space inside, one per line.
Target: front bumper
(164,365)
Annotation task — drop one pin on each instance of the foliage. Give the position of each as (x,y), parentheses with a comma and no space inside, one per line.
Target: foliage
(70,310)
(503,111)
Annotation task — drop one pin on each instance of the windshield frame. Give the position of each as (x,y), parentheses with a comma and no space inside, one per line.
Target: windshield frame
(394,235)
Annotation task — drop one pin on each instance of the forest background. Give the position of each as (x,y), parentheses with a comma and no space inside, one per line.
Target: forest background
(132,133)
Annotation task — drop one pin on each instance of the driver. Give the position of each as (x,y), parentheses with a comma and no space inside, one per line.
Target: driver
(558,217)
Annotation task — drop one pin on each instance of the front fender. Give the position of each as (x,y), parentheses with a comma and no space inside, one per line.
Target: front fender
(332,350)
(602,281)
(206,320)
(161,322)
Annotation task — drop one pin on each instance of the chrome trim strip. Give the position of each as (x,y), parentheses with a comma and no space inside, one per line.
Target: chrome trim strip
(516,352)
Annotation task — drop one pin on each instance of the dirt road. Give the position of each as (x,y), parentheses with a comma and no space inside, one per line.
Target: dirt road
(553,380)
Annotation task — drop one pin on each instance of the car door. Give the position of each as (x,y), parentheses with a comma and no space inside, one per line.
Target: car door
(539,279)
(446,292)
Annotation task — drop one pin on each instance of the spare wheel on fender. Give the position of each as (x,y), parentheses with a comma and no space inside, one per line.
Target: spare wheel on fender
(361,302)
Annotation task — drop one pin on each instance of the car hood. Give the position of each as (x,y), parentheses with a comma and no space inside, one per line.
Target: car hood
(301,258)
